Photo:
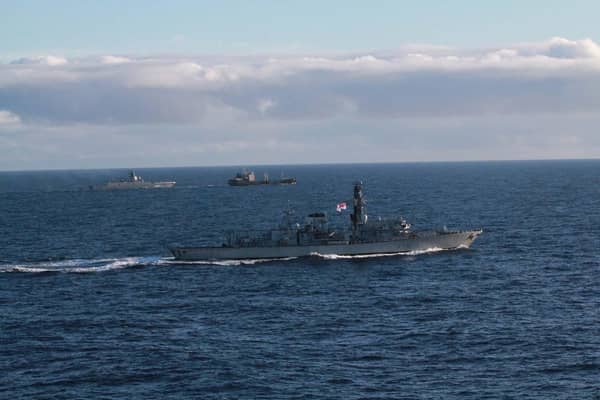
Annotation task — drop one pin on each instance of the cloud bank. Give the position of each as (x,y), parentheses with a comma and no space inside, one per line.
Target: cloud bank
(222,99)
(555,76)
(51,61)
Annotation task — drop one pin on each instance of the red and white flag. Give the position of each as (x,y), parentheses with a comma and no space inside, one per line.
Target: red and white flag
(340,207)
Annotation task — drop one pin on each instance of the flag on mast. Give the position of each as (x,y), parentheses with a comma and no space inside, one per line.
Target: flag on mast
(341,206)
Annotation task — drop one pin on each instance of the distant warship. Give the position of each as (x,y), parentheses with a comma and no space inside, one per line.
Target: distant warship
(247,178)
(133,181)
(365,237)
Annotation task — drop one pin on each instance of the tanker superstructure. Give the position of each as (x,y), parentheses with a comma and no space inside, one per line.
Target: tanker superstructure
(133,181)
(315,236)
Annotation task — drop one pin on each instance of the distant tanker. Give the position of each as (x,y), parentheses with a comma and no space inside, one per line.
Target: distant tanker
(247,178)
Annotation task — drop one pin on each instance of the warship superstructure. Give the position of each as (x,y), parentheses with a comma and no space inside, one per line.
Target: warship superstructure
(133,181)
(315,236)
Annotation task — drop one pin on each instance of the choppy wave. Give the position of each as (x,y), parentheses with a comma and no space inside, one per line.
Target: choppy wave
(81,265)
(406,253)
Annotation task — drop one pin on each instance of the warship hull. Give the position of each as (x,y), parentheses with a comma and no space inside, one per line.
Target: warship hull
(411,242)
(284,181)
(233,182)
(134,185)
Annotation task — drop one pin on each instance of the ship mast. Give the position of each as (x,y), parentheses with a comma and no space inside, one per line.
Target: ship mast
(359,215)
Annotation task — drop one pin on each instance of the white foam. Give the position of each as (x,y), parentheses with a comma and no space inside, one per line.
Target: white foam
(81,265)
(229,262)
(406,253)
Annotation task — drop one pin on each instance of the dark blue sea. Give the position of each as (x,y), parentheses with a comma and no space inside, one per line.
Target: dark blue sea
(93,306)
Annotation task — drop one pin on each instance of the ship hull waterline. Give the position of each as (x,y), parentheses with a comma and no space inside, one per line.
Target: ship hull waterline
(440,241)
(134,185)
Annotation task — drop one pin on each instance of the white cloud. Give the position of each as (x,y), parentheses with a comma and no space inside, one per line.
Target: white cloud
(9,118)
(52,61)
(573,49)
(537,100)
(555,76)
(114,60)
(265,105)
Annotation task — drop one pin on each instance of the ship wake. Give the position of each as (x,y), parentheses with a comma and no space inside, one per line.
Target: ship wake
(81,266)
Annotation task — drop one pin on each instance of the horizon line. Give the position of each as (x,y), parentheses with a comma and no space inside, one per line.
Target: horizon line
(301,164)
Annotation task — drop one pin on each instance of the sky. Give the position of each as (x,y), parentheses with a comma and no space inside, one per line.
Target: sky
(89,84)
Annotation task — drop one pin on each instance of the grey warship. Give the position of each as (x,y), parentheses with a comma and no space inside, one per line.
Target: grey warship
(316,237)
(133,181)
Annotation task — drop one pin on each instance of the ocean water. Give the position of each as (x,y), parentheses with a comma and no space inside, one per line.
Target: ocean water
(93,306)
